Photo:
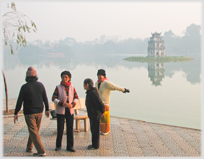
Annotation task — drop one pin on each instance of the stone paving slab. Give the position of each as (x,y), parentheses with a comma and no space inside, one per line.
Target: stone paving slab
(128,138)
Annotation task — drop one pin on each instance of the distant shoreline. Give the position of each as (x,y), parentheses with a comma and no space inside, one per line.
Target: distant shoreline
(158,59)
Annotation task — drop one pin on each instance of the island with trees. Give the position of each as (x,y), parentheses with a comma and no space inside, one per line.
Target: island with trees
(157,52)
(159,59)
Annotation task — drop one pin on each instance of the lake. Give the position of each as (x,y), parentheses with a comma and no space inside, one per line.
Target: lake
(166,93)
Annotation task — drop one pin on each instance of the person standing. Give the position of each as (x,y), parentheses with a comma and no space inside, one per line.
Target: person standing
(32,95)
(104,87)
(65,98)
(95,109)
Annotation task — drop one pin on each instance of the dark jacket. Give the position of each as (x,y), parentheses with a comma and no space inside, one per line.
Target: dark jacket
(32,95)
(94,104)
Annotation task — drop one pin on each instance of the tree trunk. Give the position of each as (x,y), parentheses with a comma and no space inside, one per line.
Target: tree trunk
(6,92)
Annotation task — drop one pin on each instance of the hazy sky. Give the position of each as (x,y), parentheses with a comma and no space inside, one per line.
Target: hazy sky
(86,21)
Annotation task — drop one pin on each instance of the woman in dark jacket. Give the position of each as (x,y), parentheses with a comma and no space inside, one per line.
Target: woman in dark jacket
(95,109)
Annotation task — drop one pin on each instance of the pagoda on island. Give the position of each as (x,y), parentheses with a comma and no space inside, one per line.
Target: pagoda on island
(156,46)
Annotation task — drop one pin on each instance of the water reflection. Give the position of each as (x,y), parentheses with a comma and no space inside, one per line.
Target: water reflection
(156,72)
(153,97)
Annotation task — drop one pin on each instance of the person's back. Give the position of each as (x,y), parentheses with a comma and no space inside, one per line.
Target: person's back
(33,97)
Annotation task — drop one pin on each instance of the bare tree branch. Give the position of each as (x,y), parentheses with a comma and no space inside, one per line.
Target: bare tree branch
(15,26)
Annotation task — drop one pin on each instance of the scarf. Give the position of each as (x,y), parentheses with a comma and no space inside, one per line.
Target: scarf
(101,80)
(66,85)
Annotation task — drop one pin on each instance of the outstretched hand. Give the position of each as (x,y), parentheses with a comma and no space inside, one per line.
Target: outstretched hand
(126,91)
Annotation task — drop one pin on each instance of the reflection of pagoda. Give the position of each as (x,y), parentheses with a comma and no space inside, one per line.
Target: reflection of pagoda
(156,46)
(156,72)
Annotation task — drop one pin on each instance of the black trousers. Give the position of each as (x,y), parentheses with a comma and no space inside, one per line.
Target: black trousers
(95,131)
(69,126)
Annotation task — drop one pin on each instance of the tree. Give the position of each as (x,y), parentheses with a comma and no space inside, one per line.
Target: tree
(192,39)
(15,25)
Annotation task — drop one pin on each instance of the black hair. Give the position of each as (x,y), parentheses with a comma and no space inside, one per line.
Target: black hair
(89,81)
(66,73)
(31,78)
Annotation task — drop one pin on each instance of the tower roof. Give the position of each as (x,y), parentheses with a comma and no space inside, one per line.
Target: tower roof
(155,34)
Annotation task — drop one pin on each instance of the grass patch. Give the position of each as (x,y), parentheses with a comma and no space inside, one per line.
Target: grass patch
(158,59)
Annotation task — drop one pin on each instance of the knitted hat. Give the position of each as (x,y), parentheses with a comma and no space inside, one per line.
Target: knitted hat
(31,72)
(66,73)
(101,72)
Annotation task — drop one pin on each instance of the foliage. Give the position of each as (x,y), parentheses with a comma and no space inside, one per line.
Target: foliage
(159,59)
(15,26)
(190,43)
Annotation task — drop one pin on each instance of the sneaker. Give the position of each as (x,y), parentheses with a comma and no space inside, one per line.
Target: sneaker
(105,133)
(57,148)
(39,154)
(29,150)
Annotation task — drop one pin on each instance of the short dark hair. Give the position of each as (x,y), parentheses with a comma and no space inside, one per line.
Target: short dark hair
(89,81)
(66,73)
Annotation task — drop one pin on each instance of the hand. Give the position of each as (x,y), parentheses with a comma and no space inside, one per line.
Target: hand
(67,105)
(126,91)
(15,118)
(47,114)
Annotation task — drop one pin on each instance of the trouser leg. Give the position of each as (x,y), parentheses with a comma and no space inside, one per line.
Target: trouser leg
(95,131)
(33,122)
(60,129)
(69,128)
(30,142)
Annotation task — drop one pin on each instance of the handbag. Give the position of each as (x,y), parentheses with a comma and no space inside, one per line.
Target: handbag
(53,114)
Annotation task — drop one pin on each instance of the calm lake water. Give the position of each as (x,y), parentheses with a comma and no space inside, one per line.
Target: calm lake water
(166,93)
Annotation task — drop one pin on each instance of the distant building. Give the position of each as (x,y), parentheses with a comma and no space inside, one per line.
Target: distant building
(156,46)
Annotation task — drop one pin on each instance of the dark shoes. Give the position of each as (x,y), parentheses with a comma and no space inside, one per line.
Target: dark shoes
(57,148)
(29,150)
(90,147)
(39,154)
(70,149)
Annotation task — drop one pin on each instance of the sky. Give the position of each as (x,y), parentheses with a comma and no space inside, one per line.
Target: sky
(89,20)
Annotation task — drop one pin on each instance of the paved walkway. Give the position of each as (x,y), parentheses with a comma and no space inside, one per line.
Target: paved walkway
(128,138)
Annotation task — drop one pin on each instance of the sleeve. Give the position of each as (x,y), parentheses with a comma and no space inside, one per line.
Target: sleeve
(75,98)
(55,97)
(112,86)
(98,102)
(19,101)
(45,100)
